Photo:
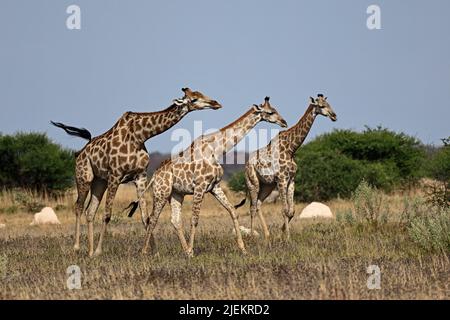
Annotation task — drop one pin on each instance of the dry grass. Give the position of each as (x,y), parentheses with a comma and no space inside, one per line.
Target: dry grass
(324,260)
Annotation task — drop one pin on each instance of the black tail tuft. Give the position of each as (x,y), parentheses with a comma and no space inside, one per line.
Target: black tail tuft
(240,204)
(134,205)
(78,132)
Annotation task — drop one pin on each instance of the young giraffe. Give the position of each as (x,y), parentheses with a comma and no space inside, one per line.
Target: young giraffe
(197,171)
(274,165)
(119,156)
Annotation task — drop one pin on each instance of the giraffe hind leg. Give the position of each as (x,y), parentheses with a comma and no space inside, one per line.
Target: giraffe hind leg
(265,191)
(113,185)
(83,191)
(98,188)
(222,198)
(84,177)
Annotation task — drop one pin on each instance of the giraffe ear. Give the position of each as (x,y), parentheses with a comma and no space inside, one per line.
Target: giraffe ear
(178,102)
(312,100)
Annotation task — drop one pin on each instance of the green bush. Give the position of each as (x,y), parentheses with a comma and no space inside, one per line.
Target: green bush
(32,161)
(320,175)
(237,181)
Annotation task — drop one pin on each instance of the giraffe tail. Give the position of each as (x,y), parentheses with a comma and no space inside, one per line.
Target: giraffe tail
(240,204)
(73,131)
(135,204)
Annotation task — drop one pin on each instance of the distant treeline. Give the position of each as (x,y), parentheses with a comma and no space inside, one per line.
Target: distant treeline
(33,161)
(332,165)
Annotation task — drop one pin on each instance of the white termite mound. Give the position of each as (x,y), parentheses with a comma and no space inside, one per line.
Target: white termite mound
(316,210)
(46,216)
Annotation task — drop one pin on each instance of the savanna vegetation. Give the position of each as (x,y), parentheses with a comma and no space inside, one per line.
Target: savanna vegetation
(386,215)
(326,259)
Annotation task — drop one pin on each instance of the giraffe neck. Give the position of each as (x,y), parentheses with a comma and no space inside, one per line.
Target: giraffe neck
(227,137)
(298,133)
(150,124)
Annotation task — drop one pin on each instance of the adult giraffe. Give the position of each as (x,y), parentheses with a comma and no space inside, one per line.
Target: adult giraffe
(119,156)
(197,171)
(274,165)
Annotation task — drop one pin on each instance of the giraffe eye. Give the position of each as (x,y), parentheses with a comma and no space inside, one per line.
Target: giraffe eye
(194,100)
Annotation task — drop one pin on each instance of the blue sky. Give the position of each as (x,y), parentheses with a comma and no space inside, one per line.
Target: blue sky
(137,55)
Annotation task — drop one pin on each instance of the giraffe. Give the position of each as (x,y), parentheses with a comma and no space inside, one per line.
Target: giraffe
(119,156)
(196,171)
(274,166)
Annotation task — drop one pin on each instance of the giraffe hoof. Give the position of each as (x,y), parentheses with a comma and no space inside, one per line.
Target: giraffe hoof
(97,253)
(76,248)
(190,253)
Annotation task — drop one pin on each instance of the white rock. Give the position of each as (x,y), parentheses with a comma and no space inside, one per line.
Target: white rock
(46,216)
(246,231)
(2,225)
(316,210)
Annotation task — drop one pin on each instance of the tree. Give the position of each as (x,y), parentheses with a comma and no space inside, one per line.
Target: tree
(33,161)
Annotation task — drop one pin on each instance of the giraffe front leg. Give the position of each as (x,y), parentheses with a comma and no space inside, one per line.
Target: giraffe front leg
(141,184)
(113,185)
(252,182)
(199,193)
(158,205)
(221,197)
(283,190)
(290,199)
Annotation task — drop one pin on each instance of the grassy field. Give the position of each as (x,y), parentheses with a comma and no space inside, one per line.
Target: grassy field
(324,260)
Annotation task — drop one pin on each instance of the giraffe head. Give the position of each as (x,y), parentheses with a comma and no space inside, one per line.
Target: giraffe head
(321,106)
(269,113)
(195,100)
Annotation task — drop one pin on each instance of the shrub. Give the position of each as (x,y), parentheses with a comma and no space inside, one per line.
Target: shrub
(432,231)
(28,201)
(369,204)
(32,161)
(237,182)
(320,175)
